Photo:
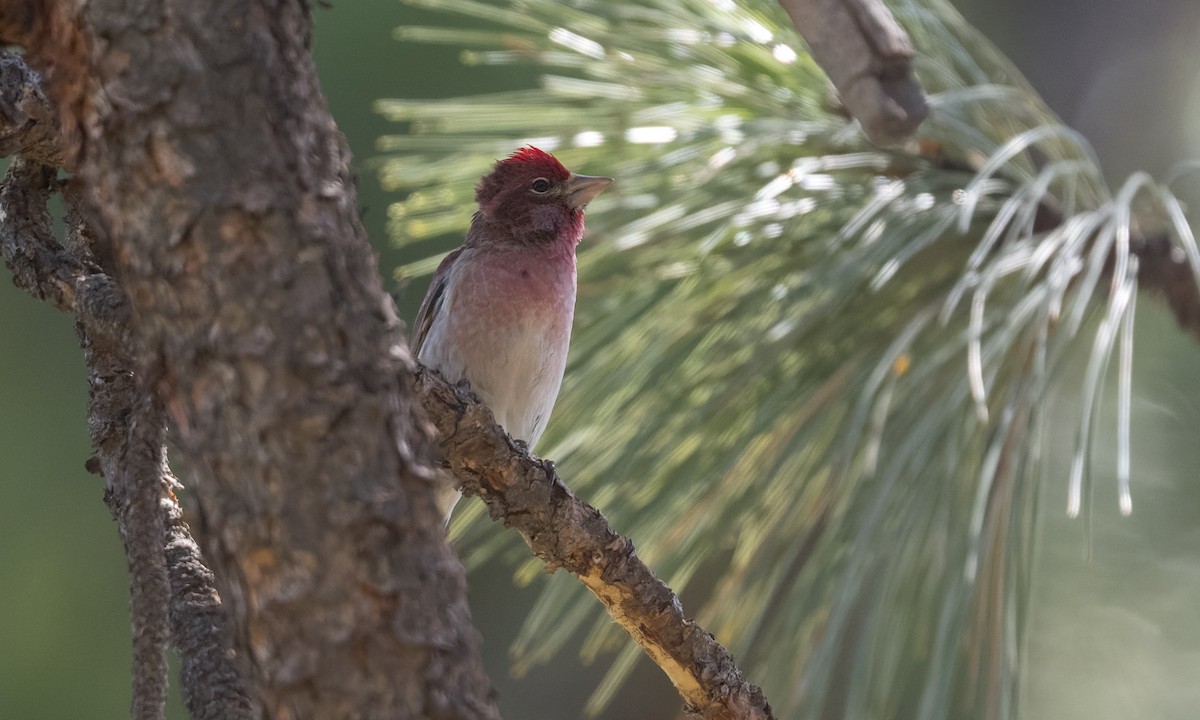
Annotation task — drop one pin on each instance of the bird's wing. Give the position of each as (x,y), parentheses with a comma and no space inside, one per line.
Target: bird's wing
(432,304)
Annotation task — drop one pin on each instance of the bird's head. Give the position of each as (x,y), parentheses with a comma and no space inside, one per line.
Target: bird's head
(532,196)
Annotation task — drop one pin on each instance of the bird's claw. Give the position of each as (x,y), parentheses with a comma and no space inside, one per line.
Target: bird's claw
(464,386)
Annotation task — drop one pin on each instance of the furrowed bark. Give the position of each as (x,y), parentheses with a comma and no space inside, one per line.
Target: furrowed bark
(67,280)
(125,427)
(258,323)
(526,493)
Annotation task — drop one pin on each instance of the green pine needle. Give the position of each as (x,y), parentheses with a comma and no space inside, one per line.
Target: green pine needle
(808,376)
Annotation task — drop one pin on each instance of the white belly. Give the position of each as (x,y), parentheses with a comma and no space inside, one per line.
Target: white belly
(512,369)
(506,329)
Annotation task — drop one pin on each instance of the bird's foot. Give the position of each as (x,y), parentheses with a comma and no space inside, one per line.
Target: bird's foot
(464,386)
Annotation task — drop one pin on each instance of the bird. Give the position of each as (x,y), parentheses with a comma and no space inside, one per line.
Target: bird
(499,309)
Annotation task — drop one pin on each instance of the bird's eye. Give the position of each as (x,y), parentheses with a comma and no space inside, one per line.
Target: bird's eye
(541,186)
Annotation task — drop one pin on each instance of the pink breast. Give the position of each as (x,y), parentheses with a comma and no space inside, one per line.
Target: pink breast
(509,324)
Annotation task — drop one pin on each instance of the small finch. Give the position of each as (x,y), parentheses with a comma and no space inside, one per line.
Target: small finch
(498,311)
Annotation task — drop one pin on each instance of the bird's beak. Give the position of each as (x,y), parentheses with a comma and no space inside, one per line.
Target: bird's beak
(582,189)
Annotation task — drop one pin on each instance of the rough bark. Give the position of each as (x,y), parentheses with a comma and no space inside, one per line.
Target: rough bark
(206,156)
(213,687)
(126,431)
(27,123)
(257,325)
(526,493)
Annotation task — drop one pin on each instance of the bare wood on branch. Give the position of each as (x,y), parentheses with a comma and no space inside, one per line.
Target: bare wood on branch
(526,493)
(868,57)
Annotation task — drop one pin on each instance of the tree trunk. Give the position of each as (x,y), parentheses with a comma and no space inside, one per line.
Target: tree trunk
(223,205)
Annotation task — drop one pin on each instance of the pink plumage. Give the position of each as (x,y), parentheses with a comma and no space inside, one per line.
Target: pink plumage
(498,311)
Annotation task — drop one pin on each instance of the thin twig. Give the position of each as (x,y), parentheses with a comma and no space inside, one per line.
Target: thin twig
(213,688)
(171,588)
(38,262)
(134,491)
(564,531)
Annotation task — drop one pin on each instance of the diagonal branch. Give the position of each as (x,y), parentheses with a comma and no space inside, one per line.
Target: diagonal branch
(566,532)
(868,57)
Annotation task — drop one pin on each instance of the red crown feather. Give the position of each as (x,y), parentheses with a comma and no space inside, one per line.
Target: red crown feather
(523,165)
(531,156)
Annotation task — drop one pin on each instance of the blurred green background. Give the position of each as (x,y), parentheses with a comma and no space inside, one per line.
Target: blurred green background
(1113,630)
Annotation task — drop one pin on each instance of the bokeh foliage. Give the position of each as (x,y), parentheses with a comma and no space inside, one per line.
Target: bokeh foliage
(809,375)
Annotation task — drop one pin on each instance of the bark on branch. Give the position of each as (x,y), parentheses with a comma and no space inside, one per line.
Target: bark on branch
(213,686)
(868,57)
(526,493)
(204,153)
(27,123)
(127,435)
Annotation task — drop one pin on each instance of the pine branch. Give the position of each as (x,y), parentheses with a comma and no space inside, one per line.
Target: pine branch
(1163,267)
(1164,271)
(868,57)
(526,493)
